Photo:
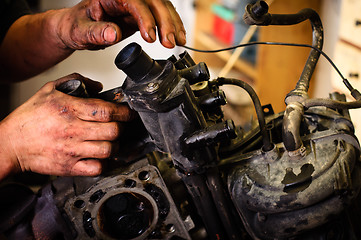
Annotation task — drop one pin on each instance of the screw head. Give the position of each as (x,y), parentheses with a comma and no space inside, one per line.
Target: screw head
(152,87)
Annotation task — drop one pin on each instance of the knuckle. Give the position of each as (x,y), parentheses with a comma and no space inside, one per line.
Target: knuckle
(92,36)
(100,110)
(48,87)
(105,115)
(66,133)
(114,131)
(63,166)
(75,75)
(124,113)
(70,154)
(106,150)
(96,172)
(169,4)
(130,114)
(49,84)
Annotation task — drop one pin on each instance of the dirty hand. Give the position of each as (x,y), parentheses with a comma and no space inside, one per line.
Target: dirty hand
(54,133)
(95,24)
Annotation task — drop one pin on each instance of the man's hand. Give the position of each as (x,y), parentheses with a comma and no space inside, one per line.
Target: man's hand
(95,24)
(37,42)
(54,133)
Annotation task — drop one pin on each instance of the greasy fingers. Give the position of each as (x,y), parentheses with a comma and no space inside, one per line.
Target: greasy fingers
(92,109)
(166,19)
(180,30)
(170,26)
(95,24)
(54,133)
(95,149)
(93,131)
(107,131)
(101,111)
(89,167)
(142,15)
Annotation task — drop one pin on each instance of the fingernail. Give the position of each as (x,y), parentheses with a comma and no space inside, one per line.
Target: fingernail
(151,34)
(182,37)
(110,35)
(171,38)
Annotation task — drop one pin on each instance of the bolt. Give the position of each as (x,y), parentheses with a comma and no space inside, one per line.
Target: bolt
(152,87)
(261,217)
(170,228)
(144,175)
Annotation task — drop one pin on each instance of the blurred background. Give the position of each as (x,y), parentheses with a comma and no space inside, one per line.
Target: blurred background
(211,24)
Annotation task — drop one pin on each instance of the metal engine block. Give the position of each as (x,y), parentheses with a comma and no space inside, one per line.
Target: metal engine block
(185,172)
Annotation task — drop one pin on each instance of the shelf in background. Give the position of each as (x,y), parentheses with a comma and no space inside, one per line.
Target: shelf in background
(241,65)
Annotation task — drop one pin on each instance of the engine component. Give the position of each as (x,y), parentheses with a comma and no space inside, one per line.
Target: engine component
(184,172)
(170,113)
(284,197)
(133,204)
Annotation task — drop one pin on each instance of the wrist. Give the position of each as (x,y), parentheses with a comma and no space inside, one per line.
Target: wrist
(8,161)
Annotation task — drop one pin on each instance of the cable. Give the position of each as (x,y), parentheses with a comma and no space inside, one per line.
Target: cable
(316,102)
(345,81)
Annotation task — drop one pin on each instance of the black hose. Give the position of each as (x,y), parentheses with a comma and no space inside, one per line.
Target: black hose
(263,18)
(317,42)
(267,144)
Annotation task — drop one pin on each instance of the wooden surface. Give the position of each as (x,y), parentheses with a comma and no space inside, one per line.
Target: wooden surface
(241,65)
(277,68)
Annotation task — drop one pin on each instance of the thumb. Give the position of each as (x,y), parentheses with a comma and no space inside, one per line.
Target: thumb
(109,33)
(95,35)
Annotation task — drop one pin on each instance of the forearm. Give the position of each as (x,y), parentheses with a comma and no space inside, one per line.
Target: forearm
(31,46)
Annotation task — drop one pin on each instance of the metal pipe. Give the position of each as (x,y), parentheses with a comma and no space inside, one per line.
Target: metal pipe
(204,203)
(222,204)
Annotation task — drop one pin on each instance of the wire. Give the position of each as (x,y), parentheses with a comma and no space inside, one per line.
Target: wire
(345,81)
(354,92)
